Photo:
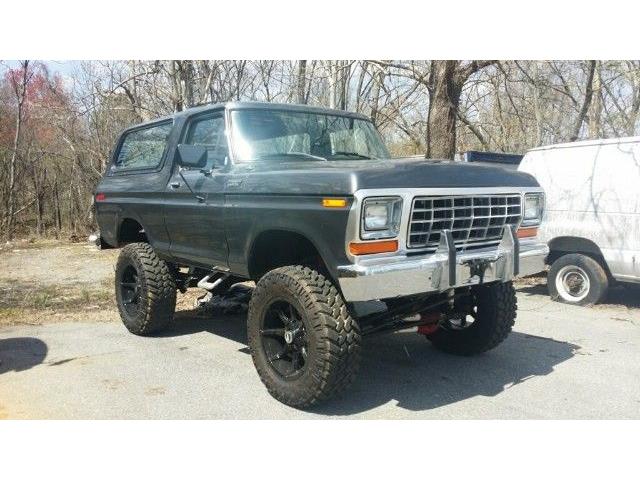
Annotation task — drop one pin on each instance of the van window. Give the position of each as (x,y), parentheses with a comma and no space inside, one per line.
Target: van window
(209,133)
(143,148)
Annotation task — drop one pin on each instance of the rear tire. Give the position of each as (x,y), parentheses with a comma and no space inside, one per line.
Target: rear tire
(577,279)
(304,343)
(495,314)
(145,289)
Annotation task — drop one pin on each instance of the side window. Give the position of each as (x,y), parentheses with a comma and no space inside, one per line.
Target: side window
(209,132)
(143,148)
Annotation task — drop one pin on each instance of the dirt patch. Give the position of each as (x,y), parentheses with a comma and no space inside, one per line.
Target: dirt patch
(56,264)
(49,281)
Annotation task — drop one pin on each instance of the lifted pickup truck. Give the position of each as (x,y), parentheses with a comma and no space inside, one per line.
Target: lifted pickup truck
(306,202)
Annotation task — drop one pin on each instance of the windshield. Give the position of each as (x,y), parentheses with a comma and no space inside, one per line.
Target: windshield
(265,134)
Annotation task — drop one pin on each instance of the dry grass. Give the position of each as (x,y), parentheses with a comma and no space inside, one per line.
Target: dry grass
(36,305)
(52,296)
(29,303)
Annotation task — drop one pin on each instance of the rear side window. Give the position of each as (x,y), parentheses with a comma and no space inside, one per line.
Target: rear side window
(143,148)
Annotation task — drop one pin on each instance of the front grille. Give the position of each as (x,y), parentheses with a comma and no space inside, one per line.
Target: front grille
(474,221)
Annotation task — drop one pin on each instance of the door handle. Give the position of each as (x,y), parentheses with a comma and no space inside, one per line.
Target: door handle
(175,185)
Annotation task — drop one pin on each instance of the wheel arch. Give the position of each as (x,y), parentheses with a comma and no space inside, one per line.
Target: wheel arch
(131,230)
(564,245)
(273,248)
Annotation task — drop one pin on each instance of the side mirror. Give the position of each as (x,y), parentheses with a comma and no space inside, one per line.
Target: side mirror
(194,156)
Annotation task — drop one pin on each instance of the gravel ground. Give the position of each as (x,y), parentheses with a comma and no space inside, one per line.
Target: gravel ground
(560,362)
(52,263)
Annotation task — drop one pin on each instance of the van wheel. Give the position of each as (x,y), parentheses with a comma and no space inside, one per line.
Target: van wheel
(145,289)
(577,279)
(304,343)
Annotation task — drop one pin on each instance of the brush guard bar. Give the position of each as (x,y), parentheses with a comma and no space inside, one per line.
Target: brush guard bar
(381,277)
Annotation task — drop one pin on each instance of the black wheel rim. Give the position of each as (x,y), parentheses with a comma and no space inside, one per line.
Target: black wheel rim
(130,289)
(284,339)
(465,317)
(463,320)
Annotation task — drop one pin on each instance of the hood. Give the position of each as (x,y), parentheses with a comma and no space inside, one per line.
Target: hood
(339,177)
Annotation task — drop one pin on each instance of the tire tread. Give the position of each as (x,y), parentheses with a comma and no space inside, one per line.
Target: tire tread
(159,288)
(597,276)
(338,333)
(493,329)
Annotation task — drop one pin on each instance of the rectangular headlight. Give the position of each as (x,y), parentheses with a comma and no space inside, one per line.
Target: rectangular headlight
(380,217)
(533,208)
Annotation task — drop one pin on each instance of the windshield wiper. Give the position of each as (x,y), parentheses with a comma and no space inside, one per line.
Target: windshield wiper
(292,154)
(351,154)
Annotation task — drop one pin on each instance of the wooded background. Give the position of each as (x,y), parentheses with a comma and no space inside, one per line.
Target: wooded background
(56,131)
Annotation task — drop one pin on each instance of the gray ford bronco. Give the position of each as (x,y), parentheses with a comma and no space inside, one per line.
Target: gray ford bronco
(341,240)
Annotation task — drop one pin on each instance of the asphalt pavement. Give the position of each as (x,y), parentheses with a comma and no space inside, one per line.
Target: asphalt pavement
(561,362)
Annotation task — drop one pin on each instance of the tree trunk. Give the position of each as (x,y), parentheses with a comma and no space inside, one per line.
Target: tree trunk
(176,84)
(443,105)
(588,95)
(240,74)
(56,206)
(310,76)
(595,114)
(333,84)
(302,76)
(536,106)
(446,79)
(187,83)
(375,93)
(344,76)
(39,199)
(20,91)
(363,73)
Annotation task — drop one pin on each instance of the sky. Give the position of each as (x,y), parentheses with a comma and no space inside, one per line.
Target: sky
(62,67)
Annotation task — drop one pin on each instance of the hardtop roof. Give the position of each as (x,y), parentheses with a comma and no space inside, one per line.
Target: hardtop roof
(251,105)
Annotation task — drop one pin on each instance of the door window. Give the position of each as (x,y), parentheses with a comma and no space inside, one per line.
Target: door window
(143,148)
(209,133)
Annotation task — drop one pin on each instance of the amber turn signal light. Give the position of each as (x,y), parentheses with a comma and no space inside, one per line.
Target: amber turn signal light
(527,232)
(373,247)
(334,202)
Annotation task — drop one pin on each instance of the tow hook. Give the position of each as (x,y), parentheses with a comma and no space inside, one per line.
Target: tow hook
(477,268)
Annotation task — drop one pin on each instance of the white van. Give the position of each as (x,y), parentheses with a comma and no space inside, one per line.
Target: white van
(592,215)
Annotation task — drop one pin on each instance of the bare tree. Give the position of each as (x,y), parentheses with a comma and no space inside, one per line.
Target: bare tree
(446,79)
(19,82)
(56,137)
(588,95)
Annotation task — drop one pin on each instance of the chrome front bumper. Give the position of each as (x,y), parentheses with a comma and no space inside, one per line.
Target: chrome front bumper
(387,277)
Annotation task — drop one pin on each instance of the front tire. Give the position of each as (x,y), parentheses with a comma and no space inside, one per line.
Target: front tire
(493,315)
(145,289)
(304,343)
(577,279)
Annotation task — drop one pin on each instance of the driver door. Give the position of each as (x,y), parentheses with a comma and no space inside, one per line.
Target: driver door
(195,197)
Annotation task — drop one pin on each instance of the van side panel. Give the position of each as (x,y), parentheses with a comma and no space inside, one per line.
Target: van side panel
(593,192)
